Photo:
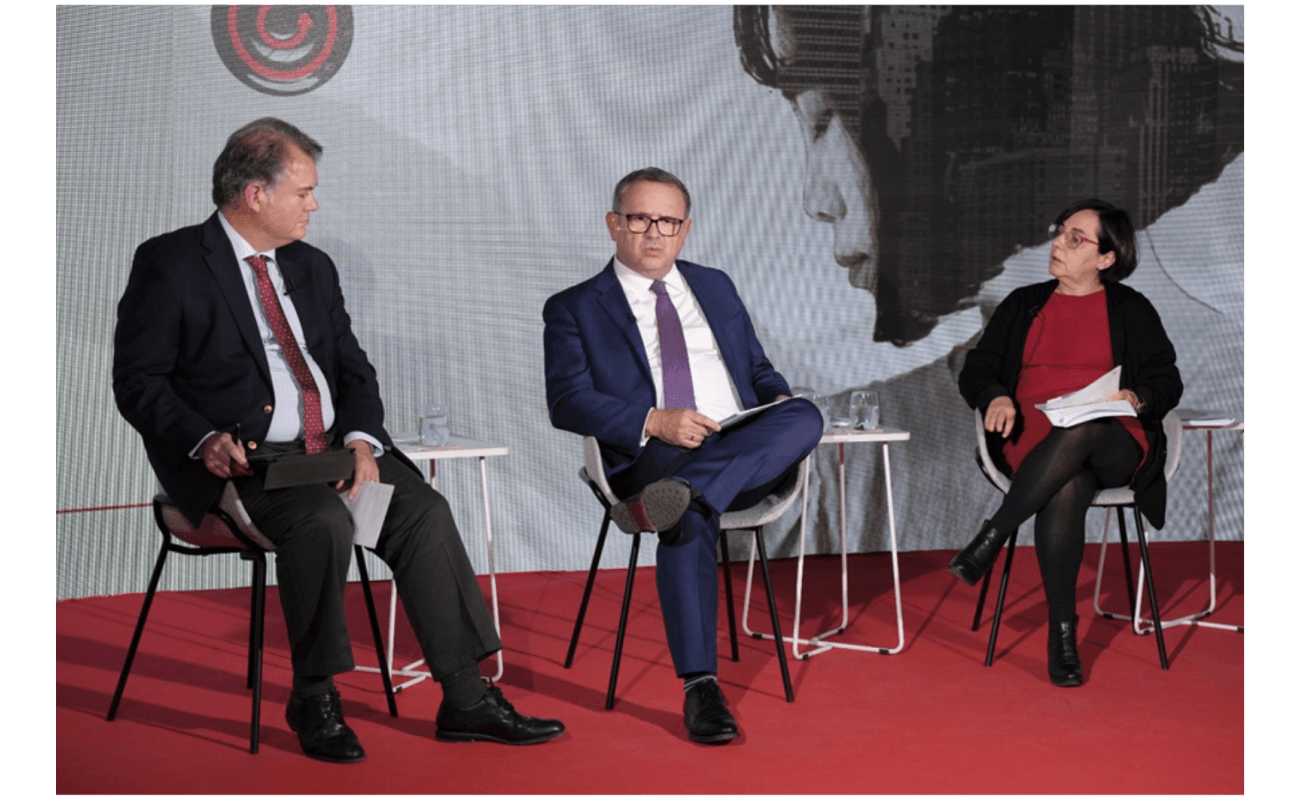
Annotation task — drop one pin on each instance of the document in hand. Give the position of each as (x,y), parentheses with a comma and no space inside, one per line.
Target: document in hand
(1088,403)
(368,511)
(744,415)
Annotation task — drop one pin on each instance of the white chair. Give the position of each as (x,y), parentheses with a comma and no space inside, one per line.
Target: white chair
(753,519)
(227,528)
(1117,498)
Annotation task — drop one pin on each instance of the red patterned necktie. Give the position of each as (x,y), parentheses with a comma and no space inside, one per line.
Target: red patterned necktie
(313,422)
(679,390)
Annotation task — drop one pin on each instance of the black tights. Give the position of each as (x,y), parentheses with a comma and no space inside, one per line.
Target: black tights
(1057,481)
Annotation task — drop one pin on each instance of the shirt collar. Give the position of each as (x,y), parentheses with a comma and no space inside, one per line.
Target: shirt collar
(242,248)
(636,284)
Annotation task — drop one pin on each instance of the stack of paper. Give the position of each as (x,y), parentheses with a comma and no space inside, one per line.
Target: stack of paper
(1088,403)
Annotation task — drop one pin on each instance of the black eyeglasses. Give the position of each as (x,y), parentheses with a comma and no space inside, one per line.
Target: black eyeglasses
(640,223)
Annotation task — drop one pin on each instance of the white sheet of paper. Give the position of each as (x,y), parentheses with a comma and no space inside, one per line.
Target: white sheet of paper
(368,511)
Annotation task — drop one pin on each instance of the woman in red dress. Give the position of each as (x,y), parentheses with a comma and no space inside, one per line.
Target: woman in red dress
(1046,340)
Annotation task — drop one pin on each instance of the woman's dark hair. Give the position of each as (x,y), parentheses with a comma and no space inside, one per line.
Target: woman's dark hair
(1115,236)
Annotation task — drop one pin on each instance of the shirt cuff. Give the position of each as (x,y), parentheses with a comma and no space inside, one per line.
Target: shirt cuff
(374,443)
(645,437)
(194,452)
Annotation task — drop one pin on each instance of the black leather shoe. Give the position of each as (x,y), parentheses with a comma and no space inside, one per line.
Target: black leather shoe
(318,721)
(658,507)
(493,719)
(970,564)
(1063,664)
(707,718)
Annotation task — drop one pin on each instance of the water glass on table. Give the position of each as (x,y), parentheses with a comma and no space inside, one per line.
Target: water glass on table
(864,408)
(434,427)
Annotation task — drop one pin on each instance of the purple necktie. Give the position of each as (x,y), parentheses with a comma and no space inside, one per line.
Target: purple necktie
(679,392)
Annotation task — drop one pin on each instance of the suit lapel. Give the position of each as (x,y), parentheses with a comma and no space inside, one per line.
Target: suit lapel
(220,260)
(614,302)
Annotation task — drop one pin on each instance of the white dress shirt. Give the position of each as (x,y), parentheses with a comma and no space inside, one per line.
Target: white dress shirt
(715,394)
(287,417)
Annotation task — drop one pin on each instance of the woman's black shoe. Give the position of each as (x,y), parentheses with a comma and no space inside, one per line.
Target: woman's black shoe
(978,557)
(1063,665)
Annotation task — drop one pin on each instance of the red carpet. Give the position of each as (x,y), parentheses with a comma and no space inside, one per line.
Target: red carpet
(931,719)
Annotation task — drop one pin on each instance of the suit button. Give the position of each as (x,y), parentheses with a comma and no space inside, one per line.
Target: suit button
(267,409)
(252,445)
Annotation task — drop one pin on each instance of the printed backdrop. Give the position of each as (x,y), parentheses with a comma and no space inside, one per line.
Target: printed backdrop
(873,179)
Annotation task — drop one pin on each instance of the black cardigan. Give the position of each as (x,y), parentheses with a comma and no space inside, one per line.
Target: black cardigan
(1139,345)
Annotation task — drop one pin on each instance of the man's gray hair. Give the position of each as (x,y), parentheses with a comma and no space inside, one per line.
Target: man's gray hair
(653,175)
(256,153)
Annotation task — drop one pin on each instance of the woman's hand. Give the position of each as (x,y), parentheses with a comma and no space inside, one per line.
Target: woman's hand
(1000,416)
(1130,396)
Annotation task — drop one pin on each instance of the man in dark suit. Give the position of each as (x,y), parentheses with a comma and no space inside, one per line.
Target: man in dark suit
(649,356)
(232,344)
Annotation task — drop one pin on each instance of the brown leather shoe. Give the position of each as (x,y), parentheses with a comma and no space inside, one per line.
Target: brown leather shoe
(658,507)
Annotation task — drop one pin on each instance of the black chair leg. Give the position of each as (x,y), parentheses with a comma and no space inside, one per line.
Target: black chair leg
(979,604)
(139,629)
(776,622)
(1002,597)
(380,651)
(1151,591)
(622,621)
(586,591)
(731,601)
(255,648)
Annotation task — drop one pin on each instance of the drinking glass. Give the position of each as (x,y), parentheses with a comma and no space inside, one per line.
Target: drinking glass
(864,407)
(433,424)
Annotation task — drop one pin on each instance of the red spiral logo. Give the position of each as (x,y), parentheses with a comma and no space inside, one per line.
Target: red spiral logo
(282,50)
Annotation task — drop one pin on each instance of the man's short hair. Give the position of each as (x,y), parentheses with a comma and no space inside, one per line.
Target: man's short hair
(653,175)
(256,153)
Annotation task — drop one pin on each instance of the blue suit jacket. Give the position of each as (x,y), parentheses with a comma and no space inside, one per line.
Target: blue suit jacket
(188,358)
(598,380)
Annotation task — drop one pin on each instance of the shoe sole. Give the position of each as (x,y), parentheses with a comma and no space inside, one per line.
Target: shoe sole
(661,506)
(717,738)
(1066,682)
(455,736)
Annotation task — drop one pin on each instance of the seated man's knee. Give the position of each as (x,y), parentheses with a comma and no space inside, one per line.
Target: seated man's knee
(324,526)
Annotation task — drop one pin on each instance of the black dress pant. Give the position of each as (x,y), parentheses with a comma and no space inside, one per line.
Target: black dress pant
(312,532)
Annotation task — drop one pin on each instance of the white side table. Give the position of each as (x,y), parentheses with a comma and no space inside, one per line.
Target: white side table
(456,447)
(1142,624)
(841,437)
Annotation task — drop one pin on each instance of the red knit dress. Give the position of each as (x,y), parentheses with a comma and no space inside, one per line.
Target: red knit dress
(1068,347)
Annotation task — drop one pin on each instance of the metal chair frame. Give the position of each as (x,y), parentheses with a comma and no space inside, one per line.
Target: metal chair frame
(593,475)
(248,549)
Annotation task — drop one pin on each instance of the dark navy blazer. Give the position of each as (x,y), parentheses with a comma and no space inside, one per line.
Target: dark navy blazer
(188,358)
(598,380)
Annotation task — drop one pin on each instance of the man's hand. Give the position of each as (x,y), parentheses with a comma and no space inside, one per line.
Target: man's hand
(1000,416)
(366,469)
(683,427)
(224,457)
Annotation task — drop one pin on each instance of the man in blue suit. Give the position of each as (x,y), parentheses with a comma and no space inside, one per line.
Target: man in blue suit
(649,356)
(233,343)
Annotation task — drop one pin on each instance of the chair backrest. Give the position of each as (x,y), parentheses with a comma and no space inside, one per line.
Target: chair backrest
(593,470)
(1119,496)
(996,477)
(215,530)
(770,508)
